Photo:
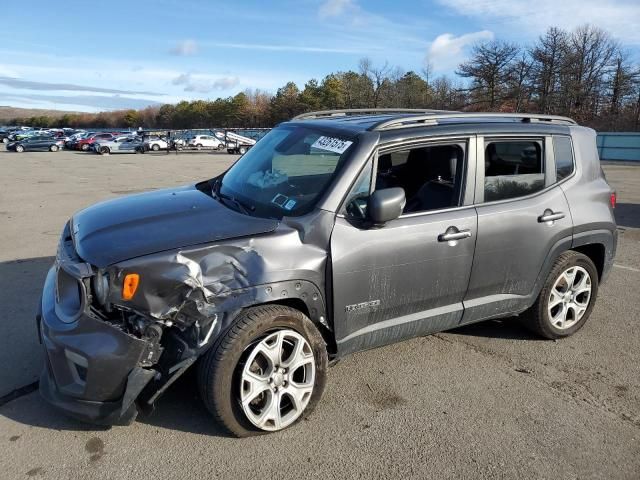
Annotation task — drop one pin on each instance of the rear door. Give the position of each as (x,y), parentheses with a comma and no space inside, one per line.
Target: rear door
(522,217)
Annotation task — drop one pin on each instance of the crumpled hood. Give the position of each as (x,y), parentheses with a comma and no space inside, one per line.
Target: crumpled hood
(135,225)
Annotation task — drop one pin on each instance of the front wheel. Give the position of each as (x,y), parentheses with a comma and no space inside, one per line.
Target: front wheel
(266,373)
(567,298)
(19,148)
(53,148)
(155,147)
(242,150)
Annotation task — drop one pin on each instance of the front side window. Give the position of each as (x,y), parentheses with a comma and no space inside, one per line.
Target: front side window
(564,157)
(513,168)
(285,173)
(431,176)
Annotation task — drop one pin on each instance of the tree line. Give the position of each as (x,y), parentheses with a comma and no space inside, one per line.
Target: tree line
(584,74)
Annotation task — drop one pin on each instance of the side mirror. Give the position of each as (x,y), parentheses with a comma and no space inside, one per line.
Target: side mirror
(386,205)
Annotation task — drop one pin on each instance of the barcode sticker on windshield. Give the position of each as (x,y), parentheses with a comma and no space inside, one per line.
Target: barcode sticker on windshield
(332,144)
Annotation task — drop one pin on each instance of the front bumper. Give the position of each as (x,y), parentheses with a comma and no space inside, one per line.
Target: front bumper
(91,367)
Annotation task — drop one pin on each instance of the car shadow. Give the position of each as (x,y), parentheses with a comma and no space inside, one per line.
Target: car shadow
(628,215)
(20,353)
(506,329)
(180,408)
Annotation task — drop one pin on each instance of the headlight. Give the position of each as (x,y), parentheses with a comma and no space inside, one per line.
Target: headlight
(100,287)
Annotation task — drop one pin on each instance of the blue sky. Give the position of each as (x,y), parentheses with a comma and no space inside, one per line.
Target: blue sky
(121,54)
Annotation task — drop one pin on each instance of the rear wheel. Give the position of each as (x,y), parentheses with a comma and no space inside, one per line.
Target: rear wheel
(53,148)
(5,140)
(266,372)
(567,298)
(221,146)
(19,148)
(199,146)
(84,147)
(155,147)
(242,150)
(105,150)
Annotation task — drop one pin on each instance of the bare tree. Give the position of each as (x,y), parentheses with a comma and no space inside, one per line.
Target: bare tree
(490,68)
(547,62)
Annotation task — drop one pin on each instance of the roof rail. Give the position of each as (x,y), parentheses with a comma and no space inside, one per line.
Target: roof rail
(432,119)
(365,111)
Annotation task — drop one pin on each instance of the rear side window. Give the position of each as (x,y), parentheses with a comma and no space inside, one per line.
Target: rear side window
(564,157)
(513,168)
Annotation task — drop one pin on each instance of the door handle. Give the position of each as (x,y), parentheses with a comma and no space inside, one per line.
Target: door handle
(550,216)
(453,234)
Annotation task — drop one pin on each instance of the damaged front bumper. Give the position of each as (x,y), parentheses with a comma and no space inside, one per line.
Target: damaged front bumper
(92,368)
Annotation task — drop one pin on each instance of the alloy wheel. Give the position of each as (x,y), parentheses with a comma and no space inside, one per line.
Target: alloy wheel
(277,380)
(569,297)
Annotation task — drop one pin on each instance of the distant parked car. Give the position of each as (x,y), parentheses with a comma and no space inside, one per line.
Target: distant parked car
(86,143)
(206,141)
(119,145)
(155,143)
(36,143)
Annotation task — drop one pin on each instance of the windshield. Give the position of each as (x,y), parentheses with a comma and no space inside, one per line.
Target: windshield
(286,171)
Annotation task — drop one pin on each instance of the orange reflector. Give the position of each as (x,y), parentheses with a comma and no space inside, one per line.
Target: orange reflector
(130,285)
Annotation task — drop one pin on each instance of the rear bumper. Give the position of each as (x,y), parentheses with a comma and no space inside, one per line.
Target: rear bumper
(91,367)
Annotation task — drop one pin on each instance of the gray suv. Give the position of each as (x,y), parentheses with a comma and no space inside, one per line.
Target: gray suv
(338,232)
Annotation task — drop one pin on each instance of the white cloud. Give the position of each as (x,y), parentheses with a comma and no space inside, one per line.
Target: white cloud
(447,50)
(619,17)
(185,48)
(203,84)
(335,8)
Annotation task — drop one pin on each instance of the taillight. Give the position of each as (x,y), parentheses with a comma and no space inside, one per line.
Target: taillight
(613,199)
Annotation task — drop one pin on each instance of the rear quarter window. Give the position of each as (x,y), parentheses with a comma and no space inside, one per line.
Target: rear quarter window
(563,153)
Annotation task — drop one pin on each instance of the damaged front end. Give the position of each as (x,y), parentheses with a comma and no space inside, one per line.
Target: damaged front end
(111,351)
(117,336)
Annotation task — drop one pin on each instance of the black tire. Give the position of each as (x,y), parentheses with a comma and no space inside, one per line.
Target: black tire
(242,150)
(537,318)
(220,368)
(199,146)
(53,148)
(84,147)
(5,140)
(155,147)
(105,151)
(221,147)
(19,148)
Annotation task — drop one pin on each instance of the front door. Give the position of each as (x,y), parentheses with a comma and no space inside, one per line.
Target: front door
(409,277)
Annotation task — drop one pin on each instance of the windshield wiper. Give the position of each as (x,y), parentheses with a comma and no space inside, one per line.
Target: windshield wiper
(215,190)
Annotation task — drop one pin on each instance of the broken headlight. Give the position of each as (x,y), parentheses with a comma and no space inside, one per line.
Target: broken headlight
(100,287)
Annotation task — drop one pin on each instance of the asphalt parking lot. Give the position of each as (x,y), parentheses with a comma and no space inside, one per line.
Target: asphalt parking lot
(484,401)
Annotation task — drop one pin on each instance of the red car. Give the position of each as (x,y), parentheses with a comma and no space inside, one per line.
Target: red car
(86,143)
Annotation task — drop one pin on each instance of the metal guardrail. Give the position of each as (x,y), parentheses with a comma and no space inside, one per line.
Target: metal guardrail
(624,146)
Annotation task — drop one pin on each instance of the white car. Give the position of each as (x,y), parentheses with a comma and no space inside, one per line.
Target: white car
(155,143)
(206,141)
